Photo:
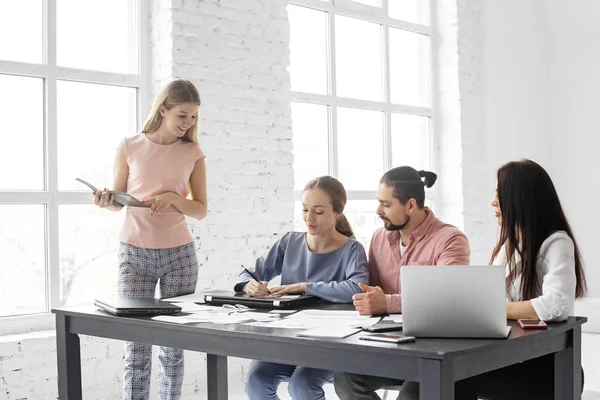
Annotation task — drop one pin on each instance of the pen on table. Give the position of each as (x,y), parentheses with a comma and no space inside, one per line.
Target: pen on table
(255,278)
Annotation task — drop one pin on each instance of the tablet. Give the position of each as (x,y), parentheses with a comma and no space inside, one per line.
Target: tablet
(121,199)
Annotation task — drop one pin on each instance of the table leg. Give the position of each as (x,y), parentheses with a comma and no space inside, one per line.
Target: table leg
(567,369)
(216,377)
(436,380)
(69,361)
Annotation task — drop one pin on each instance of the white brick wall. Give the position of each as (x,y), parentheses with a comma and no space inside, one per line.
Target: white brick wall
(28,369)
(461,144)
(448,141)
(237,53)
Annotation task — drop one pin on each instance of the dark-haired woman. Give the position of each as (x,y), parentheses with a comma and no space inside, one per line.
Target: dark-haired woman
(323,262)
(544,276)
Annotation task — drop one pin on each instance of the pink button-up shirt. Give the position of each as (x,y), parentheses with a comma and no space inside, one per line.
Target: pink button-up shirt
(432,243)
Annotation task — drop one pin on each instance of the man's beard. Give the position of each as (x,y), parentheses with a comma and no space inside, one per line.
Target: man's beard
(392,227)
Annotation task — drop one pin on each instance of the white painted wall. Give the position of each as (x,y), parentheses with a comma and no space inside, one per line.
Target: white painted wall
(573,33)
(541,79)
(514,93)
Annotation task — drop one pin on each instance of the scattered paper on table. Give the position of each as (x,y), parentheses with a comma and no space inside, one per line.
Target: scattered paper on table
(332,315)
(282,311)
(329,332)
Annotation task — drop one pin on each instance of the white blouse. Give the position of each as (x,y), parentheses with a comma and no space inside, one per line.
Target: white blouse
(556,276)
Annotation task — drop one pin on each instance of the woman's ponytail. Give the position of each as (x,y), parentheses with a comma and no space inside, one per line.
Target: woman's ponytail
(343,226)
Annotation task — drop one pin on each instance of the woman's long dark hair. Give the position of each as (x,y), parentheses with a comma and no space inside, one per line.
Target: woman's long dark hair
(531,211)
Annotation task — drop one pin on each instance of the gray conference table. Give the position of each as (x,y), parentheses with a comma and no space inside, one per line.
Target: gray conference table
(435,363)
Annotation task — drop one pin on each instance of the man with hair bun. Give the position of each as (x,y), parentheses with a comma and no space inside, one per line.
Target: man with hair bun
(411,235)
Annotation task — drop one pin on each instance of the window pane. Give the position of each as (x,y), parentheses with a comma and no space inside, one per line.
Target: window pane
(410,141)
(359,59)
(88,252)
(363,218)
(21,25)
(99,35)
(416,11)
(409,68)
(311,143)
(360,148)
(308,49)
(374,3)
(89,131)
(22,134)
(430,203)
(22,269)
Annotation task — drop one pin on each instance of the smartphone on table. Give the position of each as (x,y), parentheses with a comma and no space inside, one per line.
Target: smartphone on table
(383,327)
(532,324)
(388,337)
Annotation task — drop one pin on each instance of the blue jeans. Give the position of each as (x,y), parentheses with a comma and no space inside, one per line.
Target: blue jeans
(304,383)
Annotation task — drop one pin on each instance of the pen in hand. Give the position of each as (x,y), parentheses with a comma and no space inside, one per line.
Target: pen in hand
(255,278)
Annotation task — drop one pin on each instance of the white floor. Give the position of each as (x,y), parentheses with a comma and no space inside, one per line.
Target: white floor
(590,396)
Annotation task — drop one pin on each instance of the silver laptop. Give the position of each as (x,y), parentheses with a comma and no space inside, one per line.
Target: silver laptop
(454,301)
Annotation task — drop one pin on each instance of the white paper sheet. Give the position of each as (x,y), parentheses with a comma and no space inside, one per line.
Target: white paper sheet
(330,332)
(337,315)
(189,306)
(282,311)
(312,323)
(290,324)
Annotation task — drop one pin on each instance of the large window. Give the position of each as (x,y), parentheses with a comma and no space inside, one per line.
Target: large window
(70,90)
(361,89)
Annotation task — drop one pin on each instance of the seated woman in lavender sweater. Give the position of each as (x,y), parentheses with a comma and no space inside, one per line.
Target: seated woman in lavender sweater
(325,262)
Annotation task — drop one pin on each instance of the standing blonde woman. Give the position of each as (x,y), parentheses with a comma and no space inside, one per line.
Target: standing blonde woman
(162,165)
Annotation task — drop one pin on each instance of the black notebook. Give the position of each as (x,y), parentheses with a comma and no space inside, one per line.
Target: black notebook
(282,302)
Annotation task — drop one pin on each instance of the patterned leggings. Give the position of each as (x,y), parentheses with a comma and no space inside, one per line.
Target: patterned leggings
(139,271)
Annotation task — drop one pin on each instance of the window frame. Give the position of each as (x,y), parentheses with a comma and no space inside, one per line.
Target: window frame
(379,15)
(51,197)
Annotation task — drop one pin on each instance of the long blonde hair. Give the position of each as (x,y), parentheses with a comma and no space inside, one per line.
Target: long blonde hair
(176,92)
